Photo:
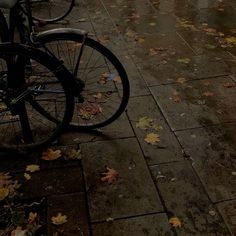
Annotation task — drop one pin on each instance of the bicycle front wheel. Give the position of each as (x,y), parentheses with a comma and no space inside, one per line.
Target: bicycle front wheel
(106,90)
(32,90)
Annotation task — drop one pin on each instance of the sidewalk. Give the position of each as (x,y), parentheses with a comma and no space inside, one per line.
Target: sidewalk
(180,57)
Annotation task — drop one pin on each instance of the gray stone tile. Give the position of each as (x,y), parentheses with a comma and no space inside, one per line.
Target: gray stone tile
(74,207)
(168,149)
(152,225)
(197,103)
(54,181)
(137,84)
(134,192)
(120,128)
(156,73)
(228,211)
(212,151)
(185,198)
(167,45)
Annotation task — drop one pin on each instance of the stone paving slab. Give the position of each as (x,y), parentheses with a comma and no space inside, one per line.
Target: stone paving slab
(197,103)
(53,181)
(212,151)
(74,207)
(130,195)
(228,211)
(137,83)
(173,69)
(120,128)
(152,225)
(166,45)
(168,149)
(185,198)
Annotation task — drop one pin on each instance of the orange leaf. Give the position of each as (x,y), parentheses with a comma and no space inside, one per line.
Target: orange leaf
(175,222)
(152,138)
(110,176)
(50,154)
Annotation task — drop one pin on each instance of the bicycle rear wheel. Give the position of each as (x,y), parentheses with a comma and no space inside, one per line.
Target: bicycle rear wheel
(106,90)
(51,11)
(32,90)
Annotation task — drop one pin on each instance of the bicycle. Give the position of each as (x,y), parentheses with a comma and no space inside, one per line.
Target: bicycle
(30,97)
(106,90)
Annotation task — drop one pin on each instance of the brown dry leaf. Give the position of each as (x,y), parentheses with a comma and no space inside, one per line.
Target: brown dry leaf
(88,111)
(176,97)
(32,168)
(59,219)
(181,80)
(229,85)
(5,179)
(208,94)
(175,222)
(152,138)
(139,39)
(117,79)
(110,176)
(51,155)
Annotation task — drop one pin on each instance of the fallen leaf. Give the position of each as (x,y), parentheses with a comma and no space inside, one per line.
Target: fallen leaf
(210,46)
(51,155)
(32,217)
(208,94)
(4,192)
(176,97)
(184,60)
(175,222)
(144,123)
(152,52)
(229,85)
(98,95)
(152,23)
(181,80)
(32,168)
(27,176)
(152,138)
(88,111)
(231,40)
(59,219)
(110,176)
(73,154)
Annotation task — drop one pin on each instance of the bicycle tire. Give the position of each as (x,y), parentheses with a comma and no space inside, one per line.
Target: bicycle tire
(67,37)
(55,84)
(54,9)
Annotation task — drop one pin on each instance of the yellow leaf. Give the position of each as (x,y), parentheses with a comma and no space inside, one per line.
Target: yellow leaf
(110,176)
(27,176)
(231,40)
(51,155)
(32,168)
(175,222)
(152,23)
(59,219)
(181,80)
(152,138)
(144,123)
(184,60)
(73,154)
(4,192)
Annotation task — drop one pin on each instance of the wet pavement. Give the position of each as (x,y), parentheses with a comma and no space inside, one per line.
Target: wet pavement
(180,57)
